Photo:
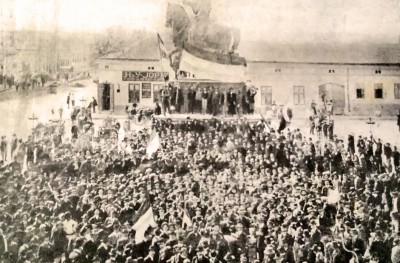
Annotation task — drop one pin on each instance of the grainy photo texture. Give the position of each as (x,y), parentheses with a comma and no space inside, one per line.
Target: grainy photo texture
(199,131)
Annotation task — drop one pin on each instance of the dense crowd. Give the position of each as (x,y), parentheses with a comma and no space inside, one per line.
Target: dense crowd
(220,191)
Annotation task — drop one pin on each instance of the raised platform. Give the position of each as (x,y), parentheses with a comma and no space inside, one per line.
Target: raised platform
(252,118)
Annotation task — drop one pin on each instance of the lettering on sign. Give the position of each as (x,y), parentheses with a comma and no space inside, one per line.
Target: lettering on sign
(144,76)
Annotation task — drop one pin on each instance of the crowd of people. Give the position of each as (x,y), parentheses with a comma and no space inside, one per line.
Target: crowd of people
(208,100)
(219,192)
(6,81)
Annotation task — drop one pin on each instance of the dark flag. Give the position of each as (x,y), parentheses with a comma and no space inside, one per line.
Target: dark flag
(282,124)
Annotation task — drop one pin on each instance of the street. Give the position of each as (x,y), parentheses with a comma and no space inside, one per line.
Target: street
(17,108)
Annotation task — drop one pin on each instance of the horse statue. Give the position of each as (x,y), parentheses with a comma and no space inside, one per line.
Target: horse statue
(193,30)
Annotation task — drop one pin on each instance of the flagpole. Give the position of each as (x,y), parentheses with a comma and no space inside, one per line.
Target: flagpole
(161,57)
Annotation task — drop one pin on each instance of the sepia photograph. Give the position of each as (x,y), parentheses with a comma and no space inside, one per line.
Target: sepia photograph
(199,131)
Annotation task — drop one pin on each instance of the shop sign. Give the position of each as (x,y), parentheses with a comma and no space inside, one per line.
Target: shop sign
(144,76)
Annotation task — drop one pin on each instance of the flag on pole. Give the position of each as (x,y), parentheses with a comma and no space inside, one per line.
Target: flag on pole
(163,50)
(25,164)
(186,219)
(333,196)
(282,124)
(143,220)
(153,144)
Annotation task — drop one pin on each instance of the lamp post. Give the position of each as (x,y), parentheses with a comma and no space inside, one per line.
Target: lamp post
(370,123)
(33,118)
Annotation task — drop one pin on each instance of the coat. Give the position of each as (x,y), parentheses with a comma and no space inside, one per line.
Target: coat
(192,95)
(231,98)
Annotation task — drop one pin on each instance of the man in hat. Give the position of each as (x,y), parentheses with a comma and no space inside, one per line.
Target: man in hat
(193,239)
(191,99)
(46,252)
(379,248)
(14,144)
(166,99)
(215,101)
(231,99)
(74,130)
(204,100)
(3,148)
(178,98)
(201,256)
(60,240)
(250,95)
(241,238)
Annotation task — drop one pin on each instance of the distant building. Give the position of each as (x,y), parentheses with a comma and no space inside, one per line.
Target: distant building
(135,75)
(7,28)
(360,79)
(38,52)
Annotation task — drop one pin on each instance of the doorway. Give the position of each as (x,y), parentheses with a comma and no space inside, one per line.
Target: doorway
(106,96)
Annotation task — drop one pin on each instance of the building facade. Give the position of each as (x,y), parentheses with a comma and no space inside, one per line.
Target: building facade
(7,29)
(42,52)
(355,89)
(136,75)
(359,79)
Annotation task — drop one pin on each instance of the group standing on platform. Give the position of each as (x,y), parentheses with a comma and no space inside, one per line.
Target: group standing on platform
(208,100)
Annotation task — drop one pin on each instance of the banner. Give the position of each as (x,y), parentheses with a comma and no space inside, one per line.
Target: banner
(207,70)
(143,220)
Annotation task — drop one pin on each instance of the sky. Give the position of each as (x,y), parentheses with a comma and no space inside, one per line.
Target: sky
(278,21)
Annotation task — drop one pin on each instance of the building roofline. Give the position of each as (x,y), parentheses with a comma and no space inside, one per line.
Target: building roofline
(325,63)
(129,59)
(205,80)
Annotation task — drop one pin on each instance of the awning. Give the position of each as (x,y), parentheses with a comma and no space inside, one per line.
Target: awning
(204,69)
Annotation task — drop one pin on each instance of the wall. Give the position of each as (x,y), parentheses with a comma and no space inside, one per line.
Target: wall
(111,71)
(370,105)
(282,77)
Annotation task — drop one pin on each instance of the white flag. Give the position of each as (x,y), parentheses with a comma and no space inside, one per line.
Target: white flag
(144,220)
(186,219)
(153,144)
(333,196)
(25,164)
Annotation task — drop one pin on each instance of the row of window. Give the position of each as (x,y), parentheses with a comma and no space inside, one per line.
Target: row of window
(331,71)
(134,92)
(78,58)
(6,13)
(298,95)
(378,91)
